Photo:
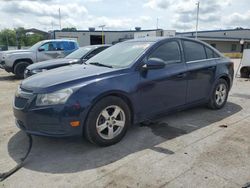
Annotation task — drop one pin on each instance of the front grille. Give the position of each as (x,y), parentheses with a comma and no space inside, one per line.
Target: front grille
(20,102)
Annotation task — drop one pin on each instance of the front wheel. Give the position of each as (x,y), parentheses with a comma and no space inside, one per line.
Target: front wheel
(108,121)
(219,95)
(20,68)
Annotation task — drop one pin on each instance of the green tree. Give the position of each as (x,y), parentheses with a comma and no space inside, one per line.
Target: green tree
(12,37)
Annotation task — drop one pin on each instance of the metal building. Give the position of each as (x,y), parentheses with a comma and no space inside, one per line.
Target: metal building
(92,37)
(226,41)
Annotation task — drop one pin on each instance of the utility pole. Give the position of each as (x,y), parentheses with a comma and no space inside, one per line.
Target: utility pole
(197,19)
(157,22)
(102,26)
(60,24)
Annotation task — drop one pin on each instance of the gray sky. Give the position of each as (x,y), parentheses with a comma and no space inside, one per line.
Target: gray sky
(125,14)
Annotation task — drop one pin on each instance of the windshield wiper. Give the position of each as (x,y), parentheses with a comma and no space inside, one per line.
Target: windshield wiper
(99,64)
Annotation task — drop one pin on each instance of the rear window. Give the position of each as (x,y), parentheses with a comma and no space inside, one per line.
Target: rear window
(194,51)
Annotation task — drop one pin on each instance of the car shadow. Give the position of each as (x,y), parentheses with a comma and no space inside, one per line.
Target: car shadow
(9,78)
(70,155)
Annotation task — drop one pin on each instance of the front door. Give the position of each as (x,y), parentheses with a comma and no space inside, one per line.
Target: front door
(49,50)
(163,89)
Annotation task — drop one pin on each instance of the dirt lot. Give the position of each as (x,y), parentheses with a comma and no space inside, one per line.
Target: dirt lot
(185,149)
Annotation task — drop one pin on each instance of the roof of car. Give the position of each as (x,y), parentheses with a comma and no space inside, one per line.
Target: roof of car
(156,39)
(71,40)
(96,46)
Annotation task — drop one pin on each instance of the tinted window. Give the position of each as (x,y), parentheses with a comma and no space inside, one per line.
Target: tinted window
(68,45)
(169,52)
(211,53)
(94,52)
(193,51)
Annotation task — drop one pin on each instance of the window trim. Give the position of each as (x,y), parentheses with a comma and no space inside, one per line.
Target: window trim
(201,60)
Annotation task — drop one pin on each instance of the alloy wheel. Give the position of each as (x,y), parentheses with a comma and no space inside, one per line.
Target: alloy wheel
(110,122)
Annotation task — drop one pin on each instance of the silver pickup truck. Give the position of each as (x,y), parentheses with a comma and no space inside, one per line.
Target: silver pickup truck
(16,61)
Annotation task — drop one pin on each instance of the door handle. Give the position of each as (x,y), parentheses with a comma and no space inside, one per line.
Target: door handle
(181,75)
(211,68)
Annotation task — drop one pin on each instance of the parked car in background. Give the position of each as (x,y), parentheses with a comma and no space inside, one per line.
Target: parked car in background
(16,61)
(77,57)
(245,64)
(128,83)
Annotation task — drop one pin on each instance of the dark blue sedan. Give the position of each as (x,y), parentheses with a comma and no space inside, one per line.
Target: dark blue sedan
(128,83)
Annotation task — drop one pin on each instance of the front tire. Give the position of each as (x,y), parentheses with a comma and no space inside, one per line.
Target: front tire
(219,95)
(108,121)
(20,68)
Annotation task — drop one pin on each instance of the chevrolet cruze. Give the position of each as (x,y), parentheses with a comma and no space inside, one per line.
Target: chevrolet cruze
(128,83)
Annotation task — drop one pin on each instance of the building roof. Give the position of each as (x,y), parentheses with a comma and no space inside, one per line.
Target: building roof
(218,30)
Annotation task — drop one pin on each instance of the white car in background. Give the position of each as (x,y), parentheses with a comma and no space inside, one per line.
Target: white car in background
(16,61)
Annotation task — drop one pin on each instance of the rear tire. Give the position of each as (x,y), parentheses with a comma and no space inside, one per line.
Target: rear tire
(107,121)
(244,73)
(219,95)
(20,68)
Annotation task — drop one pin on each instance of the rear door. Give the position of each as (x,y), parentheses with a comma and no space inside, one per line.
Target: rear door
(201,70)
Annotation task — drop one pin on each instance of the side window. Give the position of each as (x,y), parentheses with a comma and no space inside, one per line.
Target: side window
(49,46)
(94,52)
(169,52)
(210,53)
(194,51)
(67,46)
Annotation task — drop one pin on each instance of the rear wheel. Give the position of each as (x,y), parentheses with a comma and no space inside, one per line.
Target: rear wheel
(219,95)
(20,68)
(108,121)
(244,73)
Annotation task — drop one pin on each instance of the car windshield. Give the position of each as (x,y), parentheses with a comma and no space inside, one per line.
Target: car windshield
(78,54)
(120,55)
(36,46)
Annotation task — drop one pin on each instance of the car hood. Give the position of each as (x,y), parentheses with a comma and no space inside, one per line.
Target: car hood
(58,78)
(53,63)
(17,51)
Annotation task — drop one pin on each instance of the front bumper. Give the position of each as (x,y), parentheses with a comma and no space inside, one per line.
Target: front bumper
(27,73)
(51,121)
(3,66)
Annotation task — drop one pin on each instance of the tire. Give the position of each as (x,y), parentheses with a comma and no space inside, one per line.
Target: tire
(244,73)
(102,121)
(219,95)
(20,68)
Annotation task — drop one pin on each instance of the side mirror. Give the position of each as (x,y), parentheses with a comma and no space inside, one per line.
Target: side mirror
(154,63)
(41,49)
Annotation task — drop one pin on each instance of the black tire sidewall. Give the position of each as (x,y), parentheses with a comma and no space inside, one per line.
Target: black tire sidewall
(212,102)
(19,67)
(90,127)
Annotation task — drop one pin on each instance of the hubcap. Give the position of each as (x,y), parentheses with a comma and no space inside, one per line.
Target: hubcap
(110,122)
(220,94)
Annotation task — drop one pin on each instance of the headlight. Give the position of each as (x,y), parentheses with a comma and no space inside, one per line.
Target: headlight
(58,97)
(38,70)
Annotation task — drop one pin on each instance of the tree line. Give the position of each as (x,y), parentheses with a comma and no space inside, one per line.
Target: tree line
(18,37)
